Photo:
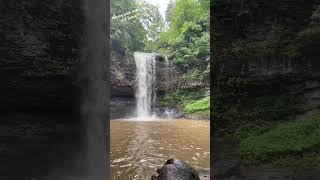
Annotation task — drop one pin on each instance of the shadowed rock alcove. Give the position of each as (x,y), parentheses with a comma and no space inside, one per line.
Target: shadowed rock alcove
(54,89)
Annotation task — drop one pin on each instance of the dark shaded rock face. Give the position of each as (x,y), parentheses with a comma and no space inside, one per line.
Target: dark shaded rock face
(122,103)
(261,68)
(122,107)
(122,73)
(36,41)
(262,72)
(175,169)
(39,64)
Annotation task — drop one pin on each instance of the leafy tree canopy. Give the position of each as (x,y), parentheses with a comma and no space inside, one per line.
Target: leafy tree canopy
(187,39)
(140,23)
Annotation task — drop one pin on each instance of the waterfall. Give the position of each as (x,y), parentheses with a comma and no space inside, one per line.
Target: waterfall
(146,81)
(168,74)
(168,111)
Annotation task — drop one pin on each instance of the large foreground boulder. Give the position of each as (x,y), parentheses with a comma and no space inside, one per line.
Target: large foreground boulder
(175,169)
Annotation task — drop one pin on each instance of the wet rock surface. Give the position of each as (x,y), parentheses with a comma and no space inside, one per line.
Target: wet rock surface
(122,107)
(175,169)
(169,113)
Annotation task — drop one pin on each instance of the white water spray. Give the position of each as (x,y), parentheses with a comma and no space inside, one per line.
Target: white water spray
(146,80)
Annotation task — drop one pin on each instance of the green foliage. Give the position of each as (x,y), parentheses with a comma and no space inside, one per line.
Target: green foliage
(197,75)
(190,101)
(187,39)
(198,106)
(254,128)
(140,31)
(290,138)
(130,34)
(261,31)
(308,159)
(229,93)
(152,21)
(122,6)
(180,97)
(255,109)
(244,106)
(266,30)
(169,11)
(151,46)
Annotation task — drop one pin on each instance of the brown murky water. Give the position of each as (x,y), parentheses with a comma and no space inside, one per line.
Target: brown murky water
(139,147)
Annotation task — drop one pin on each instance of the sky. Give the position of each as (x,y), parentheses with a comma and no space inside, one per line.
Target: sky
(161,4)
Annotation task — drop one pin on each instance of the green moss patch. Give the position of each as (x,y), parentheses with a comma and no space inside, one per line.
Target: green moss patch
(288,139)
(180,98)
(198,106)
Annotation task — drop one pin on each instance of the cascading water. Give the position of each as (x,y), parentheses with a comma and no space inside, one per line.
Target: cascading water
(145,87)
(168,74)
(168,111)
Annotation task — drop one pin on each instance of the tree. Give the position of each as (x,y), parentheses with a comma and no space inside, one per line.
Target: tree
(169,11)
(152,20)
(138,26)
(187,39)
(130,34)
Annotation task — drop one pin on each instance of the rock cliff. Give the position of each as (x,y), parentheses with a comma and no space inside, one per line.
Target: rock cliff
(38,42)
(264,65)
(123,74)
(265,71)
(41,128)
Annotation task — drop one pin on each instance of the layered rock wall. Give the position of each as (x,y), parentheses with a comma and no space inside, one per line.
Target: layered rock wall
(263,69)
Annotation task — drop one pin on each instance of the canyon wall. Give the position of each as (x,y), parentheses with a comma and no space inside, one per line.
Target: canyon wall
(44,58)
(265,60)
